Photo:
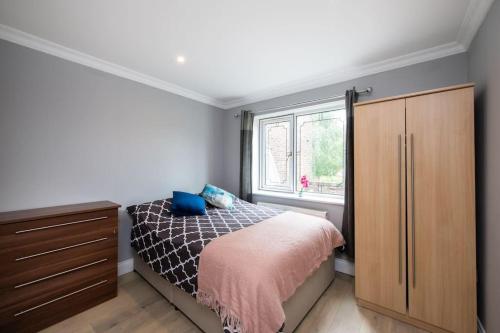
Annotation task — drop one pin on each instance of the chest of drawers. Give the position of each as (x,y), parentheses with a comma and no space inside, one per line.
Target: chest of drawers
(56,262)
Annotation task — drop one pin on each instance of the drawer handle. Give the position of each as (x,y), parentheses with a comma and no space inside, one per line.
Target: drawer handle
(62,249)
(60,225)
(60,273)
(59,298)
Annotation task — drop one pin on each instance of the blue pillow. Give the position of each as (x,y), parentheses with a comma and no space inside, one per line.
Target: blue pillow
(187,204)
(218,197)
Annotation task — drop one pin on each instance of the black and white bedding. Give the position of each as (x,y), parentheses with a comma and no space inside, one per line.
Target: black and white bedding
(171,246)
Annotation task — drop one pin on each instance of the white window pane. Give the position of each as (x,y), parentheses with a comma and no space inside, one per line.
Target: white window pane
(321,151)
(277,154)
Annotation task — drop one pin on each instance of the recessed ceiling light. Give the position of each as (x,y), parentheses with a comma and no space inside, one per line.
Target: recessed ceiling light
(181,59)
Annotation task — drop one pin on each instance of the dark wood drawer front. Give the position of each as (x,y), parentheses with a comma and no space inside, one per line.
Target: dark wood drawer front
(41,268)
(38,315)
(75,239)
(47,231)
(25,296)
(56,264)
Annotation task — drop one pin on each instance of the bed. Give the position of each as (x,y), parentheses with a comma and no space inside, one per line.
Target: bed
(168,249)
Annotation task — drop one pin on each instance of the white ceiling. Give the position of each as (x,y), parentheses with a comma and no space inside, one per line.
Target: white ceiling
(243,51)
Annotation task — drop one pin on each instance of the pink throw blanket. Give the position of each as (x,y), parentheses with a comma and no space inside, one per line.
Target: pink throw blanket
(245,276)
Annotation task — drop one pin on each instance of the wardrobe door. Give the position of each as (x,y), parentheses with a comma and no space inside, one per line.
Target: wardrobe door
(379,189)
(441,217)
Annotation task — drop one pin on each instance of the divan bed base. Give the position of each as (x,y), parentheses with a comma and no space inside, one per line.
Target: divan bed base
(296,307)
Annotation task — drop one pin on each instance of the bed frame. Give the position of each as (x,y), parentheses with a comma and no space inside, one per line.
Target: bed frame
(296,307)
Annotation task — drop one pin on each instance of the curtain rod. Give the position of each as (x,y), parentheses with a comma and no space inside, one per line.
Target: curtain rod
(366,91)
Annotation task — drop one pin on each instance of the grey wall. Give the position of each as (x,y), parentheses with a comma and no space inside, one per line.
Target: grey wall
(484,69)
(71,134)
(429,75)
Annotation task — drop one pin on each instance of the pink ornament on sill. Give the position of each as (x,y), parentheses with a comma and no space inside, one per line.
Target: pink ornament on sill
(304,181)
(305,184)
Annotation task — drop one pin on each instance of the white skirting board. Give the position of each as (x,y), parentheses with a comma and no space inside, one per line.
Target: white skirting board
(344,266)
(341,265)
(125,266)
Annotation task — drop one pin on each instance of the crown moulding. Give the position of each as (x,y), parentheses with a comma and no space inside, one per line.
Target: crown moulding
(474,16)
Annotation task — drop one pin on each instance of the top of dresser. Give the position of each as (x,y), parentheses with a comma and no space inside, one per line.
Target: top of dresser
(46,212)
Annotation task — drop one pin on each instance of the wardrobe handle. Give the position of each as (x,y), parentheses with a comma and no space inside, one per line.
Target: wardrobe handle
(413,209)
(399,212)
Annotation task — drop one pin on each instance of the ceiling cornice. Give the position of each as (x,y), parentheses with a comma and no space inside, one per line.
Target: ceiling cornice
(43,45)
(348,74)
(474,17)
(475,14)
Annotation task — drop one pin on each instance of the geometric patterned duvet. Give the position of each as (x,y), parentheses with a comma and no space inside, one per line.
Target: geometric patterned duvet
(171,246)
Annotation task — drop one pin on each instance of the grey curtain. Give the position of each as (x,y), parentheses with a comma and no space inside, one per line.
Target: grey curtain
(348,218)
(246,155)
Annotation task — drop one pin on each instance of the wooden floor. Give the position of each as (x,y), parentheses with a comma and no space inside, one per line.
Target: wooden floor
(139,308)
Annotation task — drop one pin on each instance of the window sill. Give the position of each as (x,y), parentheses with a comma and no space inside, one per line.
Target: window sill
(309,198)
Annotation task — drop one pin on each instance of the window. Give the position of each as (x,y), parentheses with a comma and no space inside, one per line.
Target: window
(320,151)
(306,142)
(277,150)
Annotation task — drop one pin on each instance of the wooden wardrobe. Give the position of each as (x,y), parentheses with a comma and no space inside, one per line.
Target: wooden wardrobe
(415,208)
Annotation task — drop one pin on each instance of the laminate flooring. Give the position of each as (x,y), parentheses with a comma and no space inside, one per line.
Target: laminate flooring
(139,308)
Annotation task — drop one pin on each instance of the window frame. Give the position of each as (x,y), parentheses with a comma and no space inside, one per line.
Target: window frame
(258,150)
(262,154)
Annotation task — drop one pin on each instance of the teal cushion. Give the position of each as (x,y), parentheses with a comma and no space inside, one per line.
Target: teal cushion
(217,197)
